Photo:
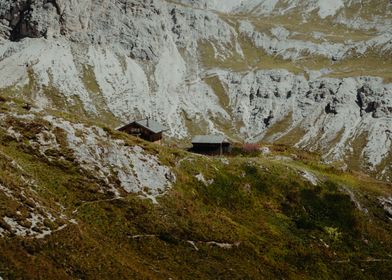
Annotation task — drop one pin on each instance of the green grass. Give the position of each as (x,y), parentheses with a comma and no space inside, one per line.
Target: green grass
(279,225)
(279,127)
(219,89)
(90,81)
(278,211)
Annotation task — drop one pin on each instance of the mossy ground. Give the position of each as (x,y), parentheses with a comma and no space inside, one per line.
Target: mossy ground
(276,224)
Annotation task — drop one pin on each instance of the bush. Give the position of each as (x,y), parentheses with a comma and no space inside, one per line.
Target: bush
(250,148)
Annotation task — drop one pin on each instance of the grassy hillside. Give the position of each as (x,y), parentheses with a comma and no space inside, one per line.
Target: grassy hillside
(281,215)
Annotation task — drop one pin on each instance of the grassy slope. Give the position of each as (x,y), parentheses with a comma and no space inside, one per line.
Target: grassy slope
(280,225)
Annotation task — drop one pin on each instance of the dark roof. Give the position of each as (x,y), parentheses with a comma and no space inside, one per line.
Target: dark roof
(209,139)
(149,124)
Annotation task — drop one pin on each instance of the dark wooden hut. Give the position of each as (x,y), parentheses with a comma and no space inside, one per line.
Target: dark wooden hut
(210,145)
(146,129)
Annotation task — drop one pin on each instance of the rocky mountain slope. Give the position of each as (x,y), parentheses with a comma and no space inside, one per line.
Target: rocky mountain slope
(81,201)
(314,74)
(311,80)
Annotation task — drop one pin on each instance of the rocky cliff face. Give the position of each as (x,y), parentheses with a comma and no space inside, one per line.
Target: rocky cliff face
(314,74)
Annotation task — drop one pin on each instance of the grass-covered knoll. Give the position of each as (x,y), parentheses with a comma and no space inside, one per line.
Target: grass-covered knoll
(241,217)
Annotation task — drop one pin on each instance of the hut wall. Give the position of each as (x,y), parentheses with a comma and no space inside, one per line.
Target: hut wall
(211,149)
(139,131)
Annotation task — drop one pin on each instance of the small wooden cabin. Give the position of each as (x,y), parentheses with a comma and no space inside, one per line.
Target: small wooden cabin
(146,129)
(210,145)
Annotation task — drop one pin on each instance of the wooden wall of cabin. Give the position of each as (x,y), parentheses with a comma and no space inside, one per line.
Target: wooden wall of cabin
(142,132)
(211,149)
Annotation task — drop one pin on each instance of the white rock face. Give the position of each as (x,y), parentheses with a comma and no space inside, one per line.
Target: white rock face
(310,177)
(200,178)
(107,158)
(133,52)
(386,203)
(329,8)
(331,113)
(120,167)
(36,221)
(132,59)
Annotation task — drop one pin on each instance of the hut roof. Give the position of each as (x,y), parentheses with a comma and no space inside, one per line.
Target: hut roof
(149,124)
(209,139)
(152,125)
